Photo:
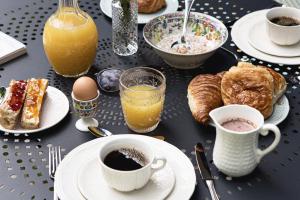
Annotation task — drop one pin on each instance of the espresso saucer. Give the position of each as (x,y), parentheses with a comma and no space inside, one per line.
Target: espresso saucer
(259,39)
(240,36)
(92,185)
(67,175)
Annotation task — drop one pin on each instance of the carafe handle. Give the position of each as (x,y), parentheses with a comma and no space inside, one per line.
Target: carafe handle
(264,131)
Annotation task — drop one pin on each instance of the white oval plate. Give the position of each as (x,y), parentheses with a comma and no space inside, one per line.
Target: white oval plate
(55,107)
(259,39)
(240,32)
(90,179)
(67,173)
(280,112)
(172,6)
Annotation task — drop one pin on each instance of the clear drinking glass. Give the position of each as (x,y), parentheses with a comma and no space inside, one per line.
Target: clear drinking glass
(142,92)
(124,27)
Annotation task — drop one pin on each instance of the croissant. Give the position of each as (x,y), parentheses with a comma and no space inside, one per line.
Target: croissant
(278,80)
(150,6)
(204,95)
(253,86)
(279,84)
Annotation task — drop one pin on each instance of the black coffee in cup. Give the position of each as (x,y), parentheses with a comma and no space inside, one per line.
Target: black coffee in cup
(125,159)
(285,21)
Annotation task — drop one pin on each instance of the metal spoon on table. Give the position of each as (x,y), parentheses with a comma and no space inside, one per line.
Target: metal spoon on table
(101,132)
(236,56)
(182,42)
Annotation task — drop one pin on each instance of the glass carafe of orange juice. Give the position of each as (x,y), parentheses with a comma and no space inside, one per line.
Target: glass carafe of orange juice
(70,40)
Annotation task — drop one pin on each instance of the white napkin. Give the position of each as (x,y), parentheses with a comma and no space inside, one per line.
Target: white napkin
(10,48)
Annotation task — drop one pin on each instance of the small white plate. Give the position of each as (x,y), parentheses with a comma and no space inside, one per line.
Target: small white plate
(240,32)
(259,39)
(90,179)
(172,6)
(55,107)
(67,173)
(280,112)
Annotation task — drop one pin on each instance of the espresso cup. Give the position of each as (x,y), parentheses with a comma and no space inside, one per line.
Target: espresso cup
(283,35)
(236,153)
(126,181)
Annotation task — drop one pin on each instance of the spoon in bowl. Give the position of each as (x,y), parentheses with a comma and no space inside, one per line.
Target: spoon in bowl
(182,43)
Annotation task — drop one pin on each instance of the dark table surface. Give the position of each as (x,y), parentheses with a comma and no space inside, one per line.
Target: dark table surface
(24,158)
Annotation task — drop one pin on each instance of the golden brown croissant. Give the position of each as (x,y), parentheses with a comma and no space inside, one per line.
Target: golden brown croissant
(279,84)
(278,79)
(253,86)
(204,95)
(150,6)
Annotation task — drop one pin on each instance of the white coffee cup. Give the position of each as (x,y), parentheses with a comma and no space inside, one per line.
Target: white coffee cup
(283,35)
(237,153)
(126,181)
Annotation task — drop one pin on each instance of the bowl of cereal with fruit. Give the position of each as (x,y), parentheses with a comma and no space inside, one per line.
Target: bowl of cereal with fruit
(205,34)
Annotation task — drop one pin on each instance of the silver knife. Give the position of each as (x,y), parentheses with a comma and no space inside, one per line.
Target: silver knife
(204,170)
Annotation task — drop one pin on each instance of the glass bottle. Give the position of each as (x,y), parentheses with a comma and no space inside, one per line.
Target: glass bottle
(70,40)
(124,27)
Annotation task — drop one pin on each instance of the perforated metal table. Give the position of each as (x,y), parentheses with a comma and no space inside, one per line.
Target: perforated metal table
(23,163)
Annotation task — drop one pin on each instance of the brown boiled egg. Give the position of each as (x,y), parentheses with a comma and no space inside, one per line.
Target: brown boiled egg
(85,88)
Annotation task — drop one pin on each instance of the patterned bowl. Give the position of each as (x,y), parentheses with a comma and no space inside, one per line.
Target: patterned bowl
(203,26)
(85,109)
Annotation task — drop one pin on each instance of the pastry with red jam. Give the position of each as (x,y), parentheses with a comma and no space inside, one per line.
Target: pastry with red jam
(36,89)
(13,103)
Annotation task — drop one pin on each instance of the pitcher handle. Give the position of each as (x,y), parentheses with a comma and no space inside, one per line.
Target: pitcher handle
(264,131)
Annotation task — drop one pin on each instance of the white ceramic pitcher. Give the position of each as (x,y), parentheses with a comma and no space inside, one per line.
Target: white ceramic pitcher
(237,153)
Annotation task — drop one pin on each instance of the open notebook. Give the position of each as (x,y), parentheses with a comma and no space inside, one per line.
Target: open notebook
(10,48)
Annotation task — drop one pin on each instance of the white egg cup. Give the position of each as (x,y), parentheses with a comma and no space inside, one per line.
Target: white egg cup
(86,111)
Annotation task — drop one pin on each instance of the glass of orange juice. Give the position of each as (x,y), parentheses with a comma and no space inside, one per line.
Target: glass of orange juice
(142,92)
(70,40)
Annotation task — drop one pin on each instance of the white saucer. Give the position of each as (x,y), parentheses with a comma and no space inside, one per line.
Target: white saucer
(55,107)
(67,173)
(172,6)
(280,112)
(259,39)
(240,31)
(90,179)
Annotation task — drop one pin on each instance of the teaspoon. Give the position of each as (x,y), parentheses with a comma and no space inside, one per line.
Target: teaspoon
(99,132)
(182,42)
